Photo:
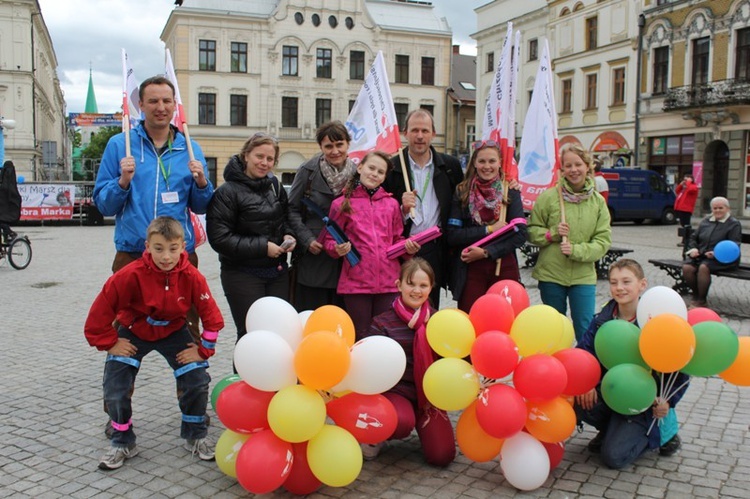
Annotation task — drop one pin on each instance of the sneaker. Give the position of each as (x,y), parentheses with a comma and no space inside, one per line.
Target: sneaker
(116,456)
(200,448)
(371,451)
(671,447)
(595,445)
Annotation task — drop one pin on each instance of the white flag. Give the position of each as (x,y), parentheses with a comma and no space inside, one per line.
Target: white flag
(130,98)
(497,100)
(179,117)
(539,162)
(372,122)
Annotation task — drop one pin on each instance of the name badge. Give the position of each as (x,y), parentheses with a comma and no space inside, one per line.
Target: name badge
(170,197)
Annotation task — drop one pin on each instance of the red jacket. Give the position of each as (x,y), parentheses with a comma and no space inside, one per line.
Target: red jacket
(140,291)
(687,194)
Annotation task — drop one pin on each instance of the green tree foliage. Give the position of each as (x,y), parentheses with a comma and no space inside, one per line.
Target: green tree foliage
(99,140)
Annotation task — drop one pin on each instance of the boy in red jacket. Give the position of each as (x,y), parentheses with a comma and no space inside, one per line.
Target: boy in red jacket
(150,299)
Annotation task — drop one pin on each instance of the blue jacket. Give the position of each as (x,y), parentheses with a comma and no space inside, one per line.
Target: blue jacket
(587,343)
(134,208)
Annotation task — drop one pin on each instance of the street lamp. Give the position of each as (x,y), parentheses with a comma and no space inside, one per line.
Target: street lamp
(641,24)
(9,124)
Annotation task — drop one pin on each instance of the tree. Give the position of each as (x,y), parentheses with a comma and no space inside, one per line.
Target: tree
(99,140)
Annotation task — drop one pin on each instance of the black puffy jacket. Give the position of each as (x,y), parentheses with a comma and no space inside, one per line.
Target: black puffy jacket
(244,214)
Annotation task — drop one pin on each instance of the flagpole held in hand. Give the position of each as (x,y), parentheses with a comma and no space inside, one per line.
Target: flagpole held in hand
(503,211)
(407,184)
(186,131)
(562,210)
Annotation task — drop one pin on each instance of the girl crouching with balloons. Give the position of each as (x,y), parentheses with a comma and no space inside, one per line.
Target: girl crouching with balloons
(406,323)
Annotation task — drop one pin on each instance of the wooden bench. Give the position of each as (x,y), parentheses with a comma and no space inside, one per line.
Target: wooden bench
(531,253)
(673,268)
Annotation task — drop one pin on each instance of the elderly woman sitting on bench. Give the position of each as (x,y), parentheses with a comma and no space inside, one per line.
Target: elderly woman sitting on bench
(701,262)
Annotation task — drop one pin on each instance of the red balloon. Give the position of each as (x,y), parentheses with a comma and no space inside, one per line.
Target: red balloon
(555,452)
(583,370)
(242,408)
(491,313)
(301,480)
(513,292)
(494,354)
(540,377)
(264,462)
(501,411)
(371,419)
(702,314)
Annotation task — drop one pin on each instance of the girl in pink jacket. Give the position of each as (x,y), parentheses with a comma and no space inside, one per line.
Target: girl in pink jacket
(371,219)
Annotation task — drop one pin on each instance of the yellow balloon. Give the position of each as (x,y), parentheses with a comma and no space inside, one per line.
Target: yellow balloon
(227,448)
(334,456)
(451,384)
(537,329)
(568,335)
(296,413)
(450,333)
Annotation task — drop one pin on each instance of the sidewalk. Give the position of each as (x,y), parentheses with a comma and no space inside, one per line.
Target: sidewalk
(51,419)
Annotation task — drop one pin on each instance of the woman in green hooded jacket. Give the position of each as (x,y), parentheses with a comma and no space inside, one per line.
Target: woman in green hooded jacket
(569,249)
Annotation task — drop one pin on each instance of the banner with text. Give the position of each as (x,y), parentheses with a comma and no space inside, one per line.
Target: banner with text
(47,201)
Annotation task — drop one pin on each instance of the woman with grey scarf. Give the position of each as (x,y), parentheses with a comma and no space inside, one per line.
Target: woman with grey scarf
(321,179)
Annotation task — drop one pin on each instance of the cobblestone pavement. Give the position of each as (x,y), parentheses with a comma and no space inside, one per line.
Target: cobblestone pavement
(51,419)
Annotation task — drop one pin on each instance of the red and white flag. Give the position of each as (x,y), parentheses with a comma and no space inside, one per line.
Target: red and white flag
(131,111)
(372,122)
(179,111)
(539,160)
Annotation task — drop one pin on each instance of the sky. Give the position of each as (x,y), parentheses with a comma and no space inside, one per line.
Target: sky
(90,33)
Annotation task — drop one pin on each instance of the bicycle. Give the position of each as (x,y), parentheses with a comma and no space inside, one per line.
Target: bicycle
(17,250)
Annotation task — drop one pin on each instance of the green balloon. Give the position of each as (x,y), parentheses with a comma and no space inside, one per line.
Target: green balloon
(616,342)
(716,348)
(223,383)
(628,389)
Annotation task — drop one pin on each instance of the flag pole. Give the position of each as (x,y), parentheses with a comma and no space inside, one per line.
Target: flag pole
(407,184)
(125,105)
(503,214)
(562,209)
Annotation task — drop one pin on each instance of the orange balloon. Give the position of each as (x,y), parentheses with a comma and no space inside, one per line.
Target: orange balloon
(667,343)
(552,421)
(331,318)
(473,441)
(321,360)
(739,372)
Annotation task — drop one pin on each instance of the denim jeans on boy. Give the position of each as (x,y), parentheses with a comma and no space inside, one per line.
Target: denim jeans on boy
(192,383)
(582,299)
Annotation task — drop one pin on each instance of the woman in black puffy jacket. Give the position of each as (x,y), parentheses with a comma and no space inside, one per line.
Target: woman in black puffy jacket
(247,226)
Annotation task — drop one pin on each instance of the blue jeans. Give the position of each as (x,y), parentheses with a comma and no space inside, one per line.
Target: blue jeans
(192,385)
(582,299)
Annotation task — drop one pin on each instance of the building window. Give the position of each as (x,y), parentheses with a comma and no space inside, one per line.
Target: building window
(490,62)
(239,57)
(290,58)
(618,86)
(211,166)
(661,68)
(533,49)
(323,63)
(349,22)
(700,60)
(742,65)
(591,91)
(322,111)
(238,110)
(289,112)
(531,94)
(351,105)
(316,20)
(401,111)
(332,21)
(299,18)
(356,65)
(428,70)
(591,32)
(207,55)
(471,133)
(207,109)
(402,69)
(430,109)
(567,95)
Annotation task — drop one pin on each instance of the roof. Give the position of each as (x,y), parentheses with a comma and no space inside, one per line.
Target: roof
(464,77)
(407,16)
(250,7)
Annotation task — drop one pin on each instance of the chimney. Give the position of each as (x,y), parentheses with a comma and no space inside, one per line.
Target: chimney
(456,49)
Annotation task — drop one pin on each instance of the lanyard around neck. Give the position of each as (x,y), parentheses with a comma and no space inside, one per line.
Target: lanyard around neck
(165,172)
(424,186)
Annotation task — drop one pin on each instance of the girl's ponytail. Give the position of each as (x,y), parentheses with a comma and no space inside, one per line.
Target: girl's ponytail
(346,206)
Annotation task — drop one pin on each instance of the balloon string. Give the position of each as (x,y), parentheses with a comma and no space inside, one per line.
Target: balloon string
(677,390)
(327,396)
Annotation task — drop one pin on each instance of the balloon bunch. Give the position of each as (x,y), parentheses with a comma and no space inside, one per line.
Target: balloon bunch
(671,340)
(525,423)
(276,428)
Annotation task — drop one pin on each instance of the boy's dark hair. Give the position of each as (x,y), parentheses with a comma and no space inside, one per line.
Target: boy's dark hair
(167,227)
(155,80)
(629,264)
(334,130)
(410,267)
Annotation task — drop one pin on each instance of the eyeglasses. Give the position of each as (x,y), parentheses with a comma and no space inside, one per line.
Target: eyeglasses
(481,144)
(264,135)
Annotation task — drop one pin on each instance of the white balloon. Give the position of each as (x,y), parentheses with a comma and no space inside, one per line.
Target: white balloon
(274,314)
(524,461)
(377,364)
(660,300)
(265,361)
(303,316)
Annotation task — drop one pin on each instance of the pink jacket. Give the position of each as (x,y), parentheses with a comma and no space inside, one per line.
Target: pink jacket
(374,224)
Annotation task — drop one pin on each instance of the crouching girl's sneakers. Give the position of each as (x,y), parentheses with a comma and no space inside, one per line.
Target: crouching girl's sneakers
(671,446)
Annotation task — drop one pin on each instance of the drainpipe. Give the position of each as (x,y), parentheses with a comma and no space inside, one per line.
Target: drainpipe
(641,24)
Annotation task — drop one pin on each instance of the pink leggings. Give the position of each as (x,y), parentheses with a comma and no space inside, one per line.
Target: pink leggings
(434,430)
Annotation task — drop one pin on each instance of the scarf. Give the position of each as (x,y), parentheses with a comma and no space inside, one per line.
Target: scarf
(576,197)
(334,177)
(485,200)
(423,356)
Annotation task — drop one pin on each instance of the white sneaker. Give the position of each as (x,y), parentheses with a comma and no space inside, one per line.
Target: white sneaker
(200,448)
(371,451)
(116,456)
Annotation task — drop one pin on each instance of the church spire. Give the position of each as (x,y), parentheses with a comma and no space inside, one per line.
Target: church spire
(91,106)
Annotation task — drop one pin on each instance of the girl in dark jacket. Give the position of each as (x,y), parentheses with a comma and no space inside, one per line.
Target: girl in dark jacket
(247,226)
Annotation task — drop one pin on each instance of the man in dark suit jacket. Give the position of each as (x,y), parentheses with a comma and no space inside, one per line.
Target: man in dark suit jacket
(433,177)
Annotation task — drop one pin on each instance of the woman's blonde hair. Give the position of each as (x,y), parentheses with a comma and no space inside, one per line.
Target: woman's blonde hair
(471,171)
(582,153)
